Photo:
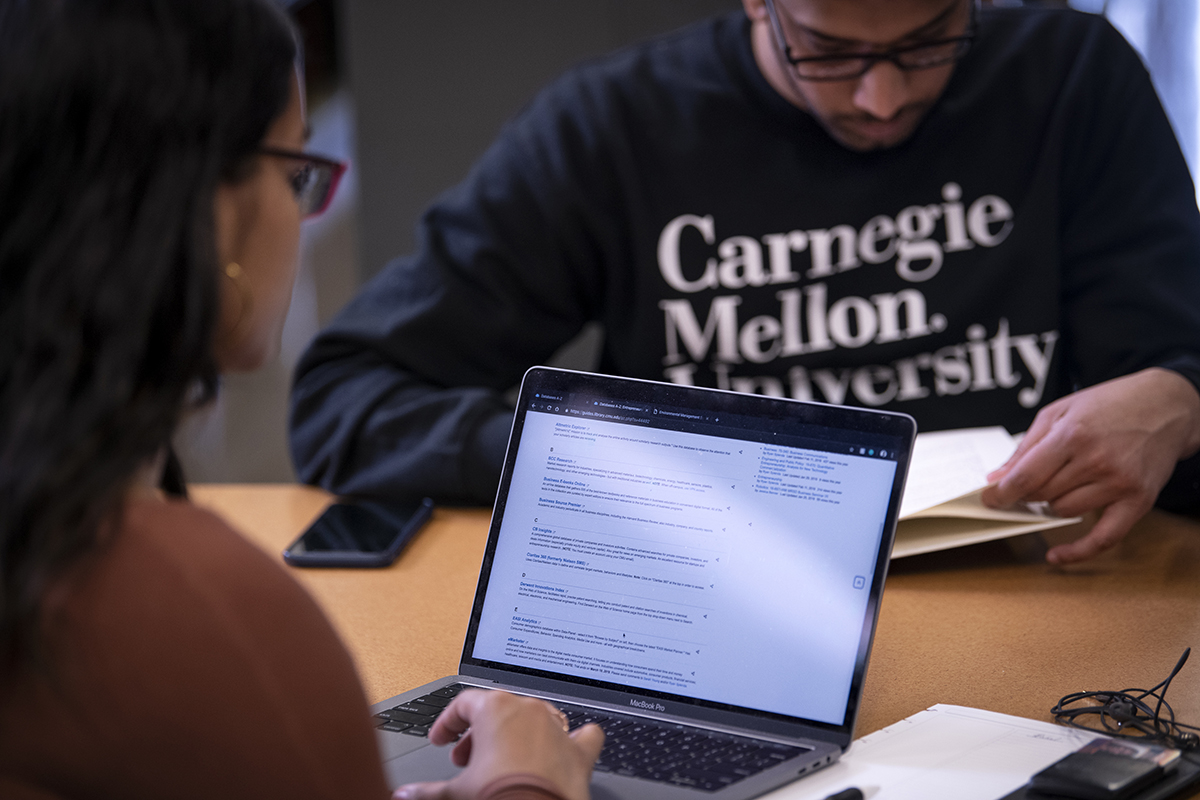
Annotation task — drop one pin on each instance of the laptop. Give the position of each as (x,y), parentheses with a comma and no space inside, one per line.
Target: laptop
(697,571)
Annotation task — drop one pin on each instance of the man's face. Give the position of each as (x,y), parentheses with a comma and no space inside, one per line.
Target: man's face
(881,108)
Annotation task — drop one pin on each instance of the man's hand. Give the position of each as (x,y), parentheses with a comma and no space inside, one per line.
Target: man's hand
(503,734)
(1112,447)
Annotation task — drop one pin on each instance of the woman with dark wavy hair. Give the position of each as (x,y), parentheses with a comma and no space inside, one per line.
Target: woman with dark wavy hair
(151,190)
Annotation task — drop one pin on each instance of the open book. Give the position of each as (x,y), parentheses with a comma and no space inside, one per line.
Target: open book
(942,508)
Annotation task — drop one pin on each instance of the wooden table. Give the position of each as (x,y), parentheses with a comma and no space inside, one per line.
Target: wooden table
(990,626)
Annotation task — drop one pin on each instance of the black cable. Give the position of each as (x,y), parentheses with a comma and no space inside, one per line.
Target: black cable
(1128,713)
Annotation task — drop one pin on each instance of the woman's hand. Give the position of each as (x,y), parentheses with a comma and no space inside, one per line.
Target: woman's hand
(504,734)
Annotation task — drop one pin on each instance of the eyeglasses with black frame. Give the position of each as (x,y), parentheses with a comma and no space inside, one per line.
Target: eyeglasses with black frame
(838,67)
(315,182)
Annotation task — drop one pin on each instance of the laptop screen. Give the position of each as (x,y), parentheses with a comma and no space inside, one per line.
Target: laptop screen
(703,545)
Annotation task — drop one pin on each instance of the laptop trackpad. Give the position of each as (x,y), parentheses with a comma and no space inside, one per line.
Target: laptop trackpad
(394,745)
(433,764)
(427,763)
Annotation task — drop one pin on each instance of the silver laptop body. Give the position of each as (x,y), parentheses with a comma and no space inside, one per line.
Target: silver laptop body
(683,558)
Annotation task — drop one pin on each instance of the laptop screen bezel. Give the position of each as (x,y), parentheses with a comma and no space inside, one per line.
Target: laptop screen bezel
(867,423)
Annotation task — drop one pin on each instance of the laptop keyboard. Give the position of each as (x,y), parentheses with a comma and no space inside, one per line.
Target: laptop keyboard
(679,755)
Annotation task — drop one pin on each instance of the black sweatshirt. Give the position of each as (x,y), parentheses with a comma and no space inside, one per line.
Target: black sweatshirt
(1037,234)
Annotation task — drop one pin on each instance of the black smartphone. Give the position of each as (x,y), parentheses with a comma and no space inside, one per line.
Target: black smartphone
(358,534)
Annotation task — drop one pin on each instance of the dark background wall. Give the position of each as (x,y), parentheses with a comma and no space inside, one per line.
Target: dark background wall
(433,82)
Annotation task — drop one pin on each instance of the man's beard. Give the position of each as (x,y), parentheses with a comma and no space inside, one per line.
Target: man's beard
(864,132)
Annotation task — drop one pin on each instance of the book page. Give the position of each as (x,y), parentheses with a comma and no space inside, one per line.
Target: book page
(950,464)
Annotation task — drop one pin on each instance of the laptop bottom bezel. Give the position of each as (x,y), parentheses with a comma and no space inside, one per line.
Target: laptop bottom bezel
(395,748)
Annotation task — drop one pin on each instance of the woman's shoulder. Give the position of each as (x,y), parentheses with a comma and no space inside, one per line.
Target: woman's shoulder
(172,525)
(198,548)
(200,585)
(180,644)
(211,577)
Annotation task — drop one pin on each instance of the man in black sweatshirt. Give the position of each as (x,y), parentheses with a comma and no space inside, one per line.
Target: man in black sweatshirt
(975,217)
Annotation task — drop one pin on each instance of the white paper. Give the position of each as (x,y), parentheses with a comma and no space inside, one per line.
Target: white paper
(943,753)
(949,464)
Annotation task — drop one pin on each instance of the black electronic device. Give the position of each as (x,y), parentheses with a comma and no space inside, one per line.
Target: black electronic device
(1106,769)
(1113,769)
(358,534)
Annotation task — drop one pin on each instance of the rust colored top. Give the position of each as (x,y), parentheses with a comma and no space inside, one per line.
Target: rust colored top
(184,662)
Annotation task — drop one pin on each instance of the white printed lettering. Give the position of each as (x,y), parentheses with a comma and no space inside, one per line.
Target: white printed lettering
(755,334)
(833,386)
(789,316)
(821,247)
(867,380)
(979,364)
(865,322)
(668,253)
(951,373)
(985,211)
(956,221)
(722,371)
(681,323)
(981,370)
(910,379)
(741,263)
(1002,357)
(682,374)
(818,333)
(889,315)
(780,247)
(878,229)
(801,387)
(1038,361)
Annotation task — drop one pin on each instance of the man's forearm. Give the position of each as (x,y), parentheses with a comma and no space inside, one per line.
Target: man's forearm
(362,426)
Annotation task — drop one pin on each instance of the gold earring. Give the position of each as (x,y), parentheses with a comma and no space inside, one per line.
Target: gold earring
(235,273)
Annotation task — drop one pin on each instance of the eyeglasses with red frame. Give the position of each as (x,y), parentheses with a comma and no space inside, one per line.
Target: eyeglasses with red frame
(316,180)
